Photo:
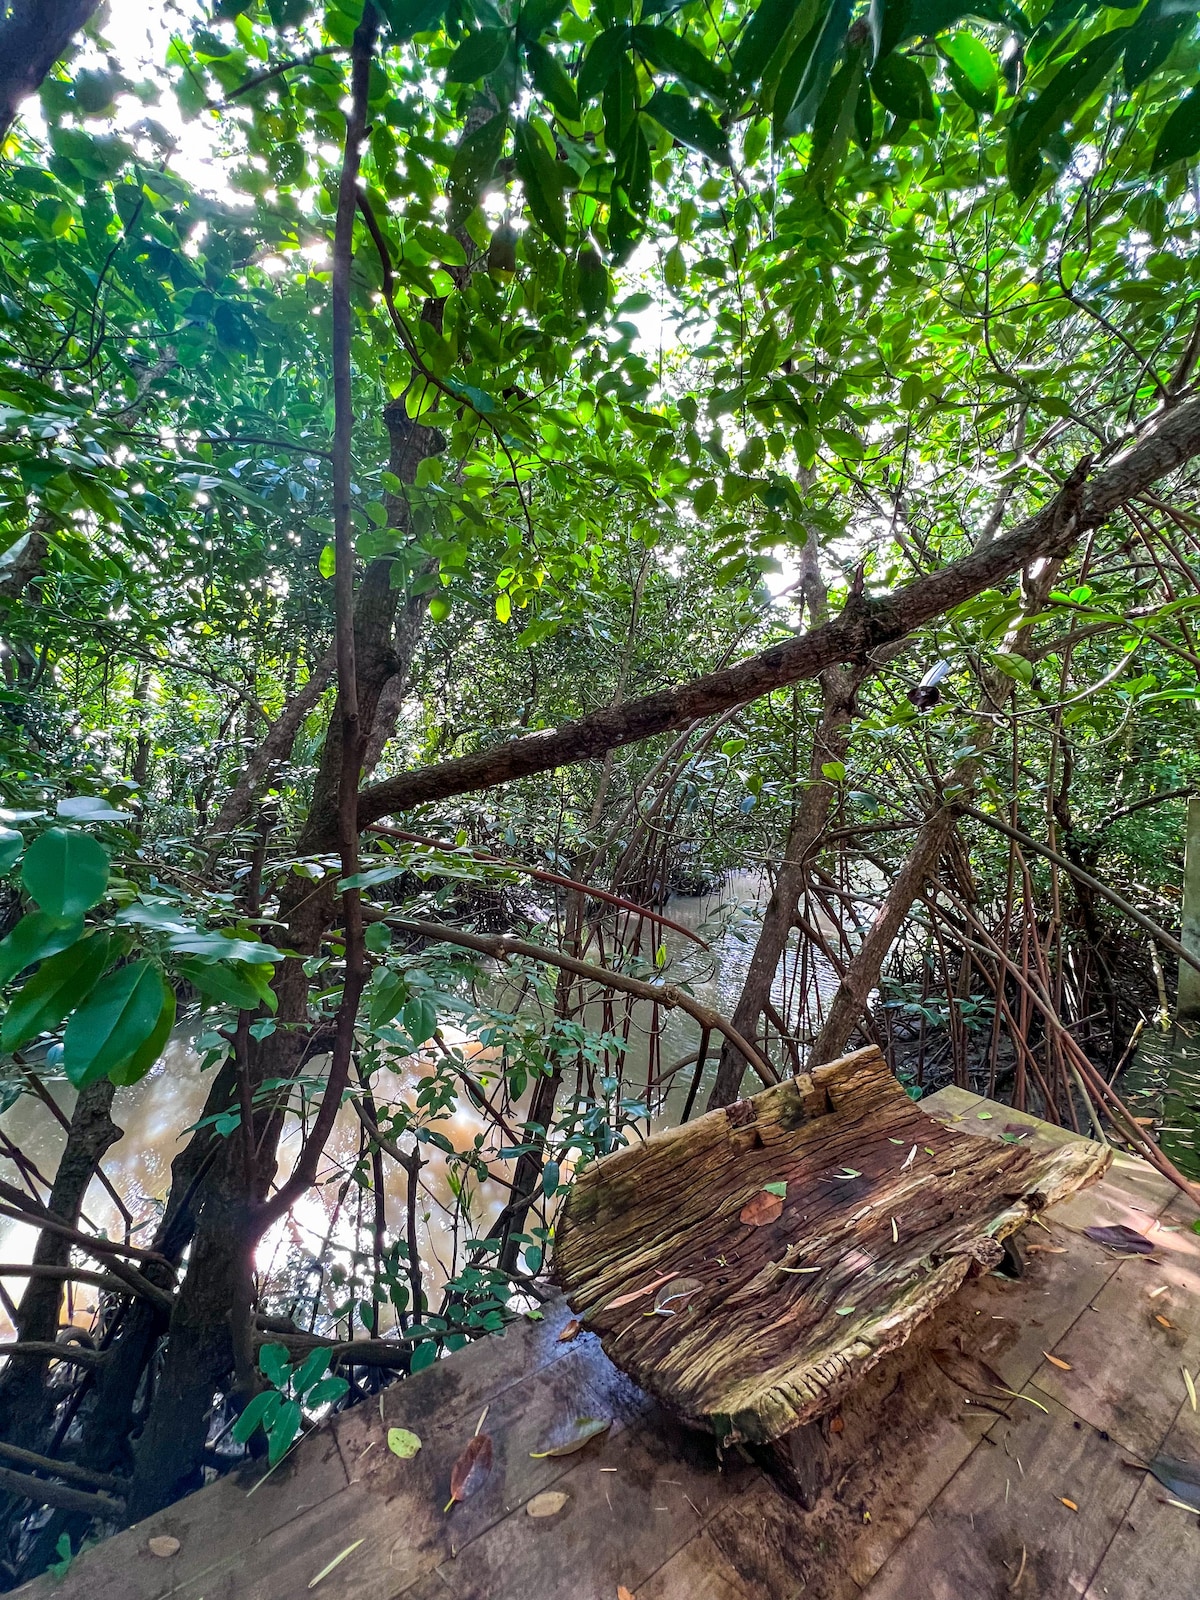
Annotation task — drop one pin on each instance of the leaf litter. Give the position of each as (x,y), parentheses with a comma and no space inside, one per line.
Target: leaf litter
(760,1209)
(1124,1241)
(470,1471)
(582,1431)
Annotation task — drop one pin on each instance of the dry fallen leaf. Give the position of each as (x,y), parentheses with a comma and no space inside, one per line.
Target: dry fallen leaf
(1163,1321)
(761,1209)
(638,1294)
(1063,1366)
(623,1593)
(1070,1504)
(163,1545)
(837,1424)
(676,1295)
(1125,1241)
(471,1469)
(548,1504)
(1190,1386)
(1046,1249)
(580,1433)
(971,1374)
(571,1331)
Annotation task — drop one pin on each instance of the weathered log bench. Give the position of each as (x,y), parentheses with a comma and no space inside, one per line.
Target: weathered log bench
(748,1268)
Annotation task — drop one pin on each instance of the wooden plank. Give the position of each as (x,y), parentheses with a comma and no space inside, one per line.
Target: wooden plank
(211,1526)
(632,1506)
(1125,1373)
(1155,1554)
(1005,1508)
(697,1572)
(397,1508)
(890,1208)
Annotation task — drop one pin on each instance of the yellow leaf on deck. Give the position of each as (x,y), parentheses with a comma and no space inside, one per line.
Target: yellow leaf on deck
(1063,1366)
(1070,1504)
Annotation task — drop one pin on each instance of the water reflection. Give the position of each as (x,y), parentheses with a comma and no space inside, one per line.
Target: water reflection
(333,1220)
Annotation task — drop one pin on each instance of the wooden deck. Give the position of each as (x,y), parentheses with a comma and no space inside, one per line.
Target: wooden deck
(937,1497)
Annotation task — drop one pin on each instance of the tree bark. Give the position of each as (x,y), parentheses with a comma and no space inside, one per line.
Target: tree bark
(863,625)
(33,34)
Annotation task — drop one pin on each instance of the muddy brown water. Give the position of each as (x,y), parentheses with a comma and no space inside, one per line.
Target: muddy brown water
(155,1113)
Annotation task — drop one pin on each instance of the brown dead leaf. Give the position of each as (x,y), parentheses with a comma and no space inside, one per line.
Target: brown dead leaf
(548,1504)
(760,1209)
(471,1470)
(1070,1504)
(639,1294)
(162,1544)
(623,1593)
(1163,1321)
(971,1374)
(677,1295)
(571,1331)
(1063,1366)
(1046,1249)
(838,1424)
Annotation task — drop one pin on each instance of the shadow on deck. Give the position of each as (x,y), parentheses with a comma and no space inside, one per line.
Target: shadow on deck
(941,1497)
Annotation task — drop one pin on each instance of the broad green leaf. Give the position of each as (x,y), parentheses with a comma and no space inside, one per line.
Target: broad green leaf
(275,1364)
(475,162)
(672,53)
(402,1443)
(65,872)
(57,986)
(259,1410)
(900,84)
(696,129)
(1074,83)
(606,50)
(142,1059)
(1153,36)
(285,1425)
(543,187)
(552,81)
(806,77)
(222,982)
(35,937)
(593,283)
(11,845)
(407,17)
(1180,136)
(420,1019)
(386,994)
(327,563)
(118,1017)
(973,70)
(316,1365)
(478,54)
(762,36)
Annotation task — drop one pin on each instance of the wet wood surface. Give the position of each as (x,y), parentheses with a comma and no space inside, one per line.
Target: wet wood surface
(938,1493)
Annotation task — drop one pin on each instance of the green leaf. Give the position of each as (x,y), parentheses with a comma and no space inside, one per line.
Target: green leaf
(1180,136)
(779,1189)
(140,1062)
(275,1364)
(606,50)
(761,38)
(407,17)
(327,564)
(11,845)
(1036,123)
(57,986)
(35,937)
(972,69)
(807,73)
(402,1443)
(696,129)
(475,162)
(669,52)
(478,54)
(316,1365)
(223,983)
(552,81)
(420,1019)
(537,170)
(834,771)
(65,872)
(385,996)
(118,1017)
(593,283)
(1153,36)
(900,84)
(261,1409)
(1016,667)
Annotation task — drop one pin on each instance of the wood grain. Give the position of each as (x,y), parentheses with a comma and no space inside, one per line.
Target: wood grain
(892,1208)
